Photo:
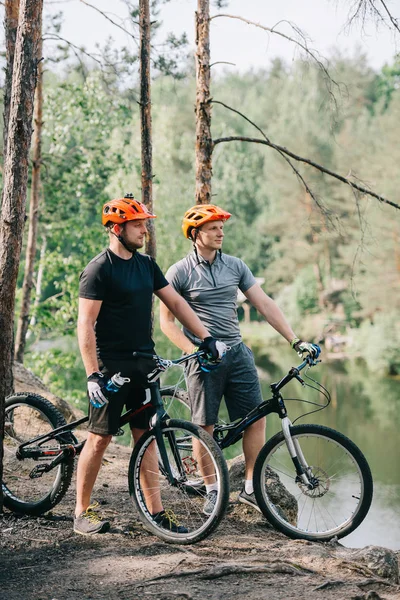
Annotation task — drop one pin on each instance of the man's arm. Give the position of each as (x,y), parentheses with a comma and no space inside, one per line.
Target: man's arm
(88,312)
(270,311)
(173,305)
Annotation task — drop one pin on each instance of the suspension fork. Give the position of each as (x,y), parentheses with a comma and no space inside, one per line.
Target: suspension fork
(156,424)
(296,454)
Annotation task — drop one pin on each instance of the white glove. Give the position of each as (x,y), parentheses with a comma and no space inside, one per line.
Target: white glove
(221,348)
(96,388)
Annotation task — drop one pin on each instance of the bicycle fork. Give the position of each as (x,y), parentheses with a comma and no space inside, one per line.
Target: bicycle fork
(303,470)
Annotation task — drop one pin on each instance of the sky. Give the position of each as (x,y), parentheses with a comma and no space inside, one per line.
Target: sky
(233,41)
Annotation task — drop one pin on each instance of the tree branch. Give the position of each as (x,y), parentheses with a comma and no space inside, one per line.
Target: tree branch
(392,19)
(222,62)
(55,36)
(282,150)
(109,19)
(301,44)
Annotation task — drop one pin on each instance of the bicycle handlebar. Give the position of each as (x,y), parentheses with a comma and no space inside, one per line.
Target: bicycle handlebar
(309,360)
(165,363)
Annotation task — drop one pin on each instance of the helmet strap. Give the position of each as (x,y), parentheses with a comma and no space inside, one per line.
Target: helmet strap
(122,241)
(193,236)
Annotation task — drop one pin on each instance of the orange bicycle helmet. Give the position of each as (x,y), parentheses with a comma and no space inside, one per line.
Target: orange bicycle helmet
(200,214)
(124,209)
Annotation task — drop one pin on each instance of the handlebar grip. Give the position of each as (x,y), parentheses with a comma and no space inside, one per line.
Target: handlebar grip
(144,355)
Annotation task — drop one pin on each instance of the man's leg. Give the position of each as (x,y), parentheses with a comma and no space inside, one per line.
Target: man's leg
(243,394)
(87,521)
(149,474)
(206,466)
(253,441)
(88,468)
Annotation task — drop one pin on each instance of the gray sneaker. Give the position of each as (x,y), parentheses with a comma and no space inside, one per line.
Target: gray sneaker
(90,522)
(249,499)
(211,501)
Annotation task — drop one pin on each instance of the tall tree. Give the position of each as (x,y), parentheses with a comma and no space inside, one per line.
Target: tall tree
(15,183)
(204,143)
(145,118)
(23,321)
(10,27)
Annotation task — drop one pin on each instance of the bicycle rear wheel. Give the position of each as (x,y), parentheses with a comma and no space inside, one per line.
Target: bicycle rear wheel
(26,491)
(176,402)
(183,499)
(342,490)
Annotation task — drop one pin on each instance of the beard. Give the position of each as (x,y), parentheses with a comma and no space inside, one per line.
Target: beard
(129,245)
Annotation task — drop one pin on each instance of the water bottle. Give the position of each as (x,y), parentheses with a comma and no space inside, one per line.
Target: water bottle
(116,382)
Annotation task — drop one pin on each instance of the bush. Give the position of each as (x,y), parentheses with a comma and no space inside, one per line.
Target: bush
(378,343)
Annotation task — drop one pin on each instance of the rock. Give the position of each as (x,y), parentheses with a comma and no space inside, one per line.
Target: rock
(285,502)
(26,381)
(381,561)
(236,473)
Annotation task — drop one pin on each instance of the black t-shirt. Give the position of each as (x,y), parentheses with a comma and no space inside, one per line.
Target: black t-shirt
(126,288)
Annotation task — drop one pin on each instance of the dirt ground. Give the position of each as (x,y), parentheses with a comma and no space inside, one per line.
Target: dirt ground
(42,559)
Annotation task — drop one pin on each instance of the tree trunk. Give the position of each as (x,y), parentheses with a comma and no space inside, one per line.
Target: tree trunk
(145,120)
(39,280)
(204,144)
(23,321)
(10,27)
(15,183)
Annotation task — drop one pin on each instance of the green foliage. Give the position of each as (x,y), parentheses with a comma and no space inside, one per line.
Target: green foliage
(62,371)
(92,152)
(378,343)
(305,290)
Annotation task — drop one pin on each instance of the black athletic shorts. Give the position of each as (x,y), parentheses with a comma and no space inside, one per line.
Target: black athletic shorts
(105,420)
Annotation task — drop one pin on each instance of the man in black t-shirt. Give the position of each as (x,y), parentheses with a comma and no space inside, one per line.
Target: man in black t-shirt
(115,303)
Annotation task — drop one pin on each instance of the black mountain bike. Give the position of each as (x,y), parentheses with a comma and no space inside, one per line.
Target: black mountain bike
(40,448)
(311,482)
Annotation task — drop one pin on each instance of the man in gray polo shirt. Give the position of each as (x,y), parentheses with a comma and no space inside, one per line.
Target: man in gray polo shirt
(209,280)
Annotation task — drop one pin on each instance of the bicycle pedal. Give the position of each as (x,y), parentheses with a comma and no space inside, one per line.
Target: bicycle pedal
(38,471)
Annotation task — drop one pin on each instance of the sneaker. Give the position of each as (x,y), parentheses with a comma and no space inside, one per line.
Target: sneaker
(167,519)
(90,522)
(249,499)
(211,501)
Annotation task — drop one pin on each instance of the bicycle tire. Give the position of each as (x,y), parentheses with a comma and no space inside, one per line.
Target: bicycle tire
(170,395)
(337,505)
(186,505)
(176,403)
(26,417)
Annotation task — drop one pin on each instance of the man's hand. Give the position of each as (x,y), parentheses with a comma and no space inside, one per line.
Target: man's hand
(96,385)
(214,348)
(305,348)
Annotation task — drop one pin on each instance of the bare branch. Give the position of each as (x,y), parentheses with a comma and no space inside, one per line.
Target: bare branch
(322,208)
(302,43)
(55,36)
(283,150)
(363,8)
(105,15)
(308,162)
(392,19)
(222,62)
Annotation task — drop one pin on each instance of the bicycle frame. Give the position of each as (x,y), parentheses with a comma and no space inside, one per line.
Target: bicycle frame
(69,449)
(275,404)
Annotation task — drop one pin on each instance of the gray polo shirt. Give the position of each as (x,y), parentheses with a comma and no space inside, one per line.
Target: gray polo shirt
(211,291)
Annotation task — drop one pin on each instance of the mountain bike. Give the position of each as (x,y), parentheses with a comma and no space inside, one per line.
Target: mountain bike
(40,447)
(310,481)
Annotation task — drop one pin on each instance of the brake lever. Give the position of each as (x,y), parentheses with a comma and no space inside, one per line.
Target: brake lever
(300,379)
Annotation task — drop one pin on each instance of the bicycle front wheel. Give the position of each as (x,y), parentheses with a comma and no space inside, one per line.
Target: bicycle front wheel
(193,457)
(27,489)
(341,492)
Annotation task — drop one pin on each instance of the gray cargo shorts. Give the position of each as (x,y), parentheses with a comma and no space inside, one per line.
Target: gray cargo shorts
(235,379)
